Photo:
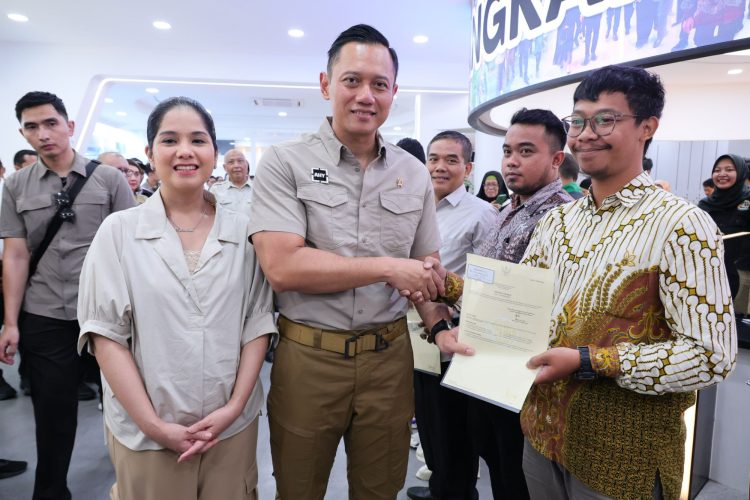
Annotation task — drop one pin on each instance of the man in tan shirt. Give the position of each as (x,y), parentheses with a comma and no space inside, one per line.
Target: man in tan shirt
(341,221)
(236,191)
(40,307)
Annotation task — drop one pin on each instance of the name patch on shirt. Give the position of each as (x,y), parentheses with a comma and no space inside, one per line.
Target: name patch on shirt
(320,175)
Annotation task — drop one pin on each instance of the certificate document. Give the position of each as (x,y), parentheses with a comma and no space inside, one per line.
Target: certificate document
(426,355)
(505,317)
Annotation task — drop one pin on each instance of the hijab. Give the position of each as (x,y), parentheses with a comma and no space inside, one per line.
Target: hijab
(728,199)
(503,190)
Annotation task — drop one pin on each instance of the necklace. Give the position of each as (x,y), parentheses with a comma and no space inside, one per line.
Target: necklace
(187,229)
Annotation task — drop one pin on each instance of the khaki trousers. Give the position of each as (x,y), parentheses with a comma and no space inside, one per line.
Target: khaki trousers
(228,471)
(317,397)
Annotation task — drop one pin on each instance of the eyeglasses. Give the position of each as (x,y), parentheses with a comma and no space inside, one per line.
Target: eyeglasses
(129,173)
(601,123)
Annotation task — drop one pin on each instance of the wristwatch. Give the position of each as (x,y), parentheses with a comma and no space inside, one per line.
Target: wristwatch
(586,371)
(440,326)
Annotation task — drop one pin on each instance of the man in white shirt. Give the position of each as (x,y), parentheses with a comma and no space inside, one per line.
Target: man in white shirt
(464,222)
(236,191)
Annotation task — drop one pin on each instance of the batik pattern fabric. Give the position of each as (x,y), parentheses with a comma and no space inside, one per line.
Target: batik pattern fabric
(640,280)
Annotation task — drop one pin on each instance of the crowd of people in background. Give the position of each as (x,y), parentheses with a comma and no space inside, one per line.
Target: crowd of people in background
(179,283)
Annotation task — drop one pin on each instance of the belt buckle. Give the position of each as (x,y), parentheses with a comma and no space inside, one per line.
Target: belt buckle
(347,343)
(380,343)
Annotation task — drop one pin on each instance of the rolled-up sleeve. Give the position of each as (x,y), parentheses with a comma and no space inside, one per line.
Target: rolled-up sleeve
(259,317)
(104,306)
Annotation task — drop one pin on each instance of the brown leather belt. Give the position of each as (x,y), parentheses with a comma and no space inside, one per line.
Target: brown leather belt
(346,342)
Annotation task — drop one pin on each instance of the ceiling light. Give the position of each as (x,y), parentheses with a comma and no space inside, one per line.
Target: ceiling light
(231,143)
(19,18)
(295,33)
(121,113)
(162,25)
(397,128)
(152,90)
(735,71)
(108,100)
(282,113)
(420,39)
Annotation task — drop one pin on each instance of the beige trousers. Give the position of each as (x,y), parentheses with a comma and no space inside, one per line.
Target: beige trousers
(228,471)
(317,397)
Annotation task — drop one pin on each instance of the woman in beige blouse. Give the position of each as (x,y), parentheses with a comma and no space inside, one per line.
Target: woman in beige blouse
(181,344)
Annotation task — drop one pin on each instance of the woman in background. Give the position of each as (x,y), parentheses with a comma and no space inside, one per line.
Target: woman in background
(493,190)
(729,207)
(181,344)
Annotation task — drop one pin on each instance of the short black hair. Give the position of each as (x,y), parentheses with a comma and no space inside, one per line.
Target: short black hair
(585,183)
(709,183)
(157,115)
(569,167)
(34,99)
(461,139)
(360,33)
(648,164)
(412,146)
(553,126)
(18,157)
(643,90)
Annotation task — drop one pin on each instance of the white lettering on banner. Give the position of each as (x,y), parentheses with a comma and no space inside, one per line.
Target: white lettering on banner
(499,25)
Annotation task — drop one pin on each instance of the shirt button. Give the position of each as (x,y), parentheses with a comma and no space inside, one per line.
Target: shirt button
(356,169)
(364,240)
(360,311)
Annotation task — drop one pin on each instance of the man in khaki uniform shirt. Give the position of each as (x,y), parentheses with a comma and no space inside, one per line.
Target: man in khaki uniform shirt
(341,221)
(42,307)
(236,191)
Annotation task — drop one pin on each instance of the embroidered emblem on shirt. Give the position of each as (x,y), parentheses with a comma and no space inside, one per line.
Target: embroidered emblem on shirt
(399,182)
(744,205)
(319,175)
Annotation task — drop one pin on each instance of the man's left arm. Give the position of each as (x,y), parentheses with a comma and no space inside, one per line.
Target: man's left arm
(694,291)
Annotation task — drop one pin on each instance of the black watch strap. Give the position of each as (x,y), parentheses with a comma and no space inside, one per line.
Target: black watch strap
(586,371)
(440,326)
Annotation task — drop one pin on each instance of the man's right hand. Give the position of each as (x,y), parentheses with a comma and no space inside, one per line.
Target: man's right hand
(8,344)
(414,277)
(448,343)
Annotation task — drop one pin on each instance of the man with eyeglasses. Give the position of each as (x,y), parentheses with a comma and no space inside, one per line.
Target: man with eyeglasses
(642,315)
(40,306)
(236,192)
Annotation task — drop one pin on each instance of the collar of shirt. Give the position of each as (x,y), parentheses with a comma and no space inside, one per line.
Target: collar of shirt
(334,146)
(152,222)
(627,196)
(79,166)
(537,198)
(231,184)
(455,197)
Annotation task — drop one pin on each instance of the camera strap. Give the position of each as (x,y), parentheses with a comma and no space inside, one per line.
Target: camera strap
(57,221)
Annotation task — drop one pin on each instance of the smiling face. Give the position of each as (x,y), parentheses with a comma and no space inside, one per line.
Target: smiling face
(491,187)
(360,87)
(236,166)
(529,163)
(447,167)
(47,131)
(619,155)
(182,152)
(724,174)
